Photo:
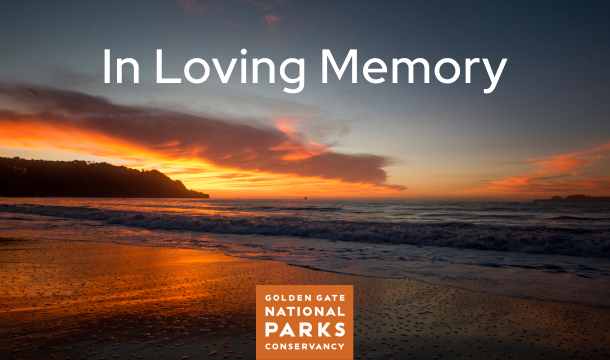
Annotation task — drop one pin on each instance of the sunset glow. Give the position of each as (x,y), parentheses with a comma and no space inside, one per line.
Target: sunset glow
(192,179)
(567,173)
(196,173)
(272,117)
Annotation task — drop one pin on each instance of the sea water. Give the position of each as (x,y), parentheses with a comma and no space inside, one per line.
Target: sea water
(539,250)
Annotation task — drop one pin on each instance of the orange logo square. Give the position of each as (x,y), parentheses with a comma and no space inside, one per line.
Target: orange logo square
(304,322)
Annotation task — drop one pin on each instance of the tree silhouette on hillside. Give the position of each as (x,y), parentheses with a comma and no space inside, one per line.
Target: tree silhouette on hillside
(28,178)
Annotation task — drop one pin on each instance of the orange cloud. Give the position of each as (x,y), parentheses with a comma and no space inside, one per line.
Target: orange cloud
(200,151)
(557,174)
(272,20)
(287,124)
(305,149)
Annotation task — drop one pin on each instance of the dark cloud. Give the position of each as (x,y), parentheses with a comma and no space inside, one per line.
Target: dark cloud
(222,142)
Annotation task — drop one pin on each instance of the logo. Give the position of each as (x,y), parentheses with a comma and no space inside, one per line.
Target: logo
(304,322)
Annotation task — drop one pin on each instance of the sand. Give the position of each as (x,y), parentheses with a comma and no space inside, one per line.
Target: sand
(84,300)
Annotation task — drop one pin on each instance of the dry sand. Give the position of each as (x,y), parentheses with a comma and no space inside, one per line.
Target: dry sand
(82,300)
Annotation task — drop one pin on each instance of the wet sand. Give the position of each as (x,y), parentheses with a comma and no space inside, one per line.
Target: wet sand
(83,300)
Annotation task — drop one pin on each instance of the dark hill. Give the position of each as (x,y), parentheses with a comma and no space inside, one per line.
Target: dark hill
(575,199)
(26,178)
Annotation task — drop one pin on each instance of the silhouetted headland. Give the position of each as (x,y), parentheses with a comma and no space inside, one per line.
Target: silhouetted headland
(28,178)
(576,199)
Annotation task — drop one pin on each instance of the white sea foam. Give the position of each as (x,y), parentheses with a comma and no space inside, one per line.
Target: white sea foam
(545,276)
(593,241)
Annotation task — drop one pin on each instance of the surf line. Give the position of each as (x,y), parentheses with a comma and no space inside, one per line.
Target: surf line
(304,346)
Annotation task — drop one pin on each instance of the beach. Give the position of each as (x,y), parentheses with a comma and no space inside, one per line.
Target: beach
(77,300)
(419,179)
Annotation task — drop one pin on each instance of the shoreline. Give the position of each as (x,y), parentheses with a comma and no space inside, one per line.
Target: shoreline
(540,276)
(97,300)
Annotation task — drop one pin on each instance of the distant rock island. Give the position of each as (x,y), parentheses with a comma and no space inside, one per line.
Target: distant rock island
(576,199)
(31,178)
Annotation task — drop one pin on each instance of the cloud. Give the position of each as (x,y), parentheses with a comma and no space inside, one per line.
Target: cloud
(559,173)
(192,6)
(225,143)
(272,20)
(266,6)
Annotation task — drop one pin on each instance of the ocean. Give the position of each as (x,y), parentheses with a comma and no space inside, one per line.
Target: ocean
(554,251)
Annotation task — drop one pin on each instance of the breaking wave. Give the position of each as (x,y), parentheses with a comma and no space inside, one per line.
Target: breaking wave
(593,242)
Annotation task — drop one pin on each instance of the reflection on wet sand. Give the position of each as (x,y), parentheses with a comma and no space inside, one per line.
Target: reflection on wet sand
(77,300)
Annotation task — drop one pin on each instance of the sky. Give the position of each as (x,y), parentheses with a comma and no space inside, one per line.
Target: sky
(543,131)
